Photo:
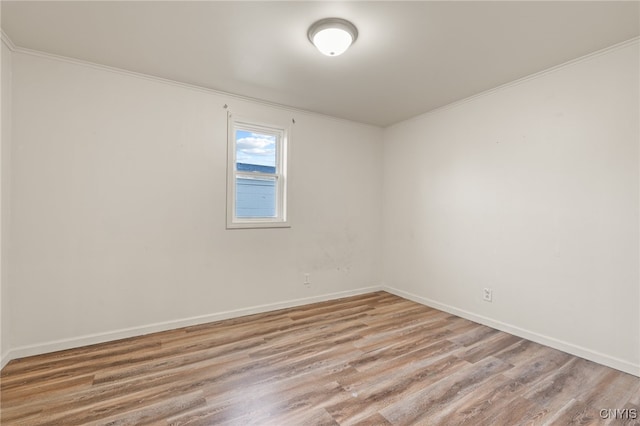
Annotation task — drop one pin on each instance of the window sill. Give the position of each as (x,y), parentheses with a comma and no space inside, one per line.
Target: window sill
(257,225)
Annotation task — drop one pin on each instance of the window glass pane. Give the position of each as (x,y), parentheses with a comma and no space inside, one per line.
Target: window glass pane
(255,151)
(257,175)
(256,197)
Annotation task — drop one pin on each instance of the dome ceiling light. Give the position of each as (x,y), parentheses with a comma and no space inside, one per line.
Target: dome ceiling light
(332,36)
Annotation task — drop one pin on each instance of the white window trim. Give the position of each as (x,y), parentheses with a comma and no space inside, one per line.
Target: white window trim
(282,152)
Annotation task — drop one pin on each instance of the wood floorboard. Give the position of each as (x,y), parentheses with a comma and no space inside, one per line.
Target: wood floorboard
(373,359)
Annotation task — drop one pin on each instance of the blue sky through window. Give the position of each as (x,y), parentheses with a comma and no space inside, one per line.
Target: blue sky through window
(255,148)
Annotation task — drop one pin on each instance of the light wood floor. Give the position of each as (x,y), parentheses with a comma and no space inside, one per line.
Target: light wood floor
(375,359)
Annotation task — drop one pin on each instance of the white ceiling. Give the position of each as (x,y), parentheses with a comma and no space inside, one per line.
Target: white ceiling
(410,57)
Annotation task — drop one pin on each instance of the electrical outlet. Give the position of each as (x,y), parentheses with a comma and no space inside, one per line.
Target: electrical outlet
(487,294)
(307,279)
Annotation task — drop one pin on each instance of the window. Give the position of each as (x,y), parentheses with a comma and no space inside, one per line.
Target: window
(257,178)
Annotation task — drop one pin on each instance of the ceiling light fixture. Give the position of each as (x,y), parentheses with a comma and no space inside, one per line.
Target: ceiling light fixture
(332,36)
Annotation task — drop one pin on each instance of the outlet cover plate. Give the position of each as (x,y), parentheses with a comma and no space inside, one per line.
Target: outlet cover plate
(487,294)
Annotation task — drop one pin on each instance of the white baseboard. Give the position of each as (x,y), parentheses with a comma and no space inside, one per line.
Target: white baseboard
(570,348)
(92,339)
(4,359)
(600,358)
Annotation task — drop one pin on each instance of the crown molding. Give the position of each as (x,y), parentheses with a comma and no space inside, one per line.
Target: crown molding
(7,41)
(539,74)
(162,80)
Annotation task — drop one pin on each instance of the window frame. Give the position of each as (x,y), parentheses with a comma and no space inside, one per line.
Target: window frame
(282,134)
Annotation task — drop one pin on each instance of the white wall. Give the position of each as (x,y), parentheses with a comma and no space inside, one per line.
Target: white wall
(531,190)
(5,168)
(118,209)
(118,203)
